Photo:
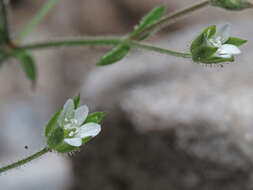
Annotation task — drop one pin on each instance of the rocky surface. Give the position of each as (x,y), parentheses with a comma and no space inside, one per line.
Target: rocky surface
(171,124)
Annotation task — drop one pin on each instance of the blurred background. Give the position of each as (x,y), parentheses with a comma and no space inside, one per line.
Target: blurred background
(170,123)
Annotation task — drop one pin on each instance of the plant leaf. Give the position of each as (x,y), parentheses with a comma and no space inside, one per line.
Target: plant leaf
(95,117)
(236,41)
(213,60)
(55,138)
(76,101)
(203,52)
(201,39)
(118,53)
(52,123)
(152,17)
(28,65)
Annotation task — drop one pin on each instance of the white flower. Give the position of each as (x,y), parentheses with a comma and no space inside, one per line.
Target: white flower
(218,40)
(71,120)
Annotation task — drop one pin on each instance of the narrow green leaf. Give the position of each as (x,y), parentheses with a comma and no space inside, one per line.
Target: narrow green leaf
(153,16)
(95,117)
(28,65)
(52,123)
(118,53)
(236,41)
(76,101)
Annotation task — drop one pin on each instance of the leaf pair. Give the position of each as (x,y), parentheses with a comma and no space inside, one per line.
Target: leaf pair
(122,49)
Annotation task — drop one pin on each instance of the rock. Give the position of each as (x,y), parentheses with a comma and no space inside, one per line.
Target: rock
(171,124)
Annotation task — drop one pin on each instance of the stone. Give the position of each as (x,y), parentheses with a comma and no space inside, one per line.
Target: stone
(171,124)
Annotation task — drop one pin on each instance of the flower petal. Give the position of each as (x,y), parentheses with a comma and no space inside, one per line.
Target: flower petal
(81,114)
(67,112)
(89,130)
(73,141)
(224,32)
(229,49)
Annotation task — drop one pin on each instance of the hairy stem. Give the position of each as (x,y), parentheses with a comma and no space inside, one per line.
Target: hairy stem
(24,161)
(4,15)
(95,41)
(171,19)
(100,42)
(159,50)
(37,18)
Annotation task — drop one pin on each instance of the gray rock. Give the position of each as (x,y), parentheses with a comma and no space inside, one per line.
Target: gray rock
(171,124)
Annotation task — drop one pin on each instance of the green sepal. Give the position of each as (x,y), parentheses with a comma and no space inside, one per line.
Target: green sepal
(28,65)
(76,101)
(55,138)
(235,41)
(234,5)
(215,60)
(116,54)
(52,123)
(152,17)
(199,54)
(201,39)
(95,117)
(66,148)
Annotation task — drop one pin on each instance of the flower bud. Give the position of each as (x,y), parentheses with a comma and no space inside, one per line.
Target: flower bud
(235,5)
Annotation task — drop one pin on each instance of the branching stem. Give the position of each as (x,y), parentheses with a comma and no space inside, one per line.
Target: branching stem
(101,42)
(171,19)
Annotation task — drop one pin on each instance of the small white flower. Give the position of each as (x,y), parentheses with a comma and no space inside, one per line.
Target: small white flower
(218,40)
(71,120)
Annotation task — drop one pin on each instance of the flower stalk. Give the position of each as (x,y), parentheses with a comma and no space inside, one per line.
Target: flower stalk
(24,161)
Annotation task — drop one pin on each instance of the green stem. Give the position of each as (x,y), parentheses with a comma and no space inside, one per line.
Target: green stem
(73,42)
(37,18)
(159,50)
(4,14)
(100,42)
(171,19)
(24,161)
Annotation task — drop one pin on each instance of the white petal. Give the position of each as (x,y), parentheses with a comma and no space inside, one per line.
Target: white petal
(224,55)
(73,141)
(224,32)
(229,49)
(81,114)
(89,130)
(67,112)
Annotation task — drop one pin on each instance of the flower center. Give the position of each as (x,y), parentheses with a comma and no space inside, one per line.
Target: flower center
(216,42)
(71,127)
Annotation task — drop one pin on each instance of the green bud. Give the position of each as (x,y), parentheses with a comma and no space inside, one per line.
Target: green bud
(234,5)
